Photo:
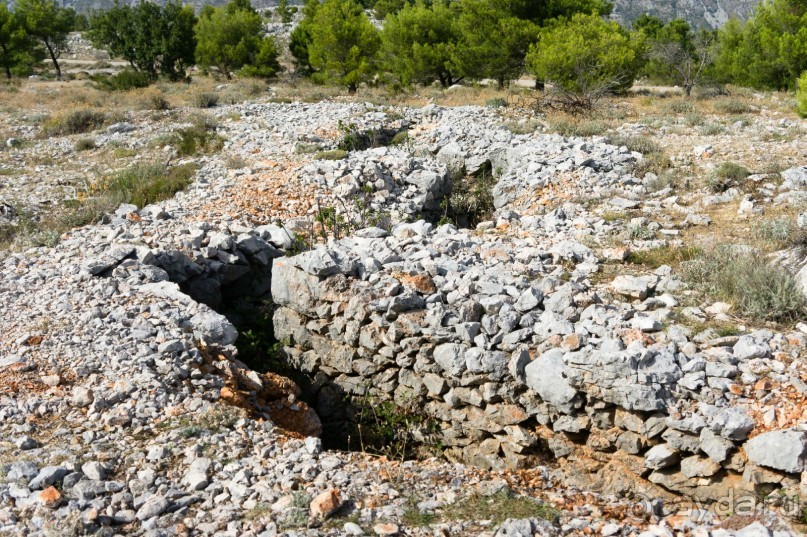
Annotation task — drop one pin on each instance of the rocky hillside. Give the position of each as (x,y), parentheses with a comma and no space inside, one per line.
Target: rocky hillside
(567,373)
(701,13)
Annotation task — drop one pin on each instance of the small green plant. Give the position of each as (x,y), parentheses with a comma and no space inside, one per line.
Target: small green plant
(471,200)
(747,280)
(712,129)
(694,120)
(639,144)
(780,233)
(413,517)
(85,144)
(725,176)
(75,122)
(656,163)
(664,180)
(496,102)
(522,127)
(154,101)
(355,139)
(640,233)
(400,138)
(801,108)
(198,140)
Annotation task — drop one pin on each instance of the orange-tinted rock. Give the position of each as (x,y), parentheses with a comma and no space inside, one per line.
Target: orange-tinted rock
(297,418)
(50,497)
(325,504)
(278,387)
(421,283)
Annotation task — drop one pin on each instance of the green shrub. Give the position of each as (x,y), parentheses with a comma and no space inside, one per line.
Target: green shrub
(680,107)
(75,122)
(748,281)
(497,102)
(85,144)
(197,140)
(154,101)
(712,129)
(205,99)
(693,120)
(780,233)
(725,176)
(732,107)
(656,163)
(801,96)
(126,80)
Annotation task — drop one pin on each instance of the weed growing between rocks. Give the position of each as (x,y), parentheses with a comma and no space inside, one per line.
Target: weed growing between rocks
(499,507)
(198,140)
(396,431)
(143,184)
(355,139)
(471,200)
(725,176)
(639,144)
(666,255)
(747,280)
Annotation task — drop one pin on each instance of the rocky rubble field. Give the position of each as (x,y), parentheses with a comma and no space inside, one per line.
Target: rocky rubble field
(569,385)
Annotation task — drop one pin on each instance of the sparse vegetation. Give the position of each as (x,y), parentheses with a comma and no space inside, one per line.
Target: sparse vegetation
(666,255)
(499,507)
(732,107)
(639,144)
(747,280)
(582,129)
(85,144)
(205,99)
(74,122)
(725,176)
(334,154)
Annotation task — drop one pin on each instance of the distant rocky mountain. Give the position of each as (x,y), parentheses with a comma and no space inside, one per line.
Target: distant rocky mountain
(701,13)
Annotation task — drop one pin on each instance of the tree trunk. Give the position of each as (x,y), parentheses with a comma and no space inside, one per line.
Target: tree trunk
(688,90)
(351,88)
(8,72)
(54,60)
(501,82)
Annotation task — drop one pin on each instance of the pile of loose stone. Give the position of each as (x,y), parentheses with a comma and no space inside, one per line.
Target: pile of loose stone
(124,407)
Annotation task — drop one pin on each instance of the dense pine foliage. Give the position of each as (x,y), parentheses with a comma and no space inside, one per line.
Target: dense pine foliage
(567,44)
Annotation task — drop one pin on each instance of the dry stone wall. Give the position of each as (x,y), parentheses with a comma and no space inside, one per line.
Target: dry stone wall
(506,345)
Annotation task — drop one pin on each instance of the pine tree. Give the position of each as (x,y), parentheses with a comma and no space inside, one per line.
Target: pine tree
(49,23)
(344,44)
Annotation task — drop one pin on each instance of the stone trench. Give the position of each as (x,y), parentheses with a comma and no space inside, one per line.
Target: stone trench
(499,340)
(354,330)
